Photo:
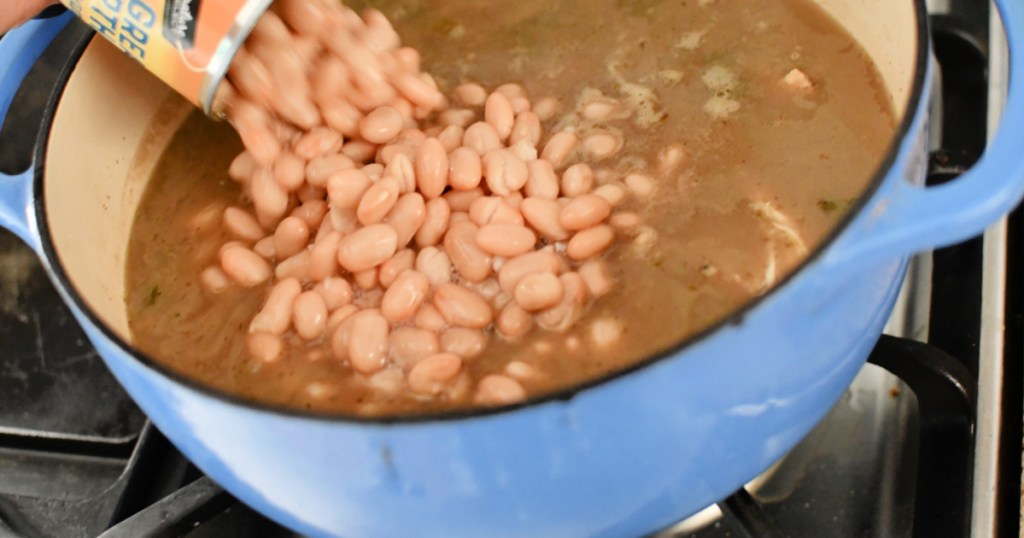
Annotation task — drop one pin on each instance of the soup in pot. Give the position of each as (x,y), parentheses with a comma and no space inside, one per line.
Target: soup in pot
(715,145)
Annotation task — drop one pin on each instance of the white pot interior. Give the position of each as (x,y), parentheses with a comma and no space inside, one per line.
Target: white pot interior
(114,120)
(887,30)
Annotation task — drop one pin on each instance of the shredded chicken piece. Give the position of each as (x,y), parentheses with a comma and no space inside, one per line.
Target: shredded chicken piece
(798,80)
(770,272)
(782,224)
(782,234)
(640,99)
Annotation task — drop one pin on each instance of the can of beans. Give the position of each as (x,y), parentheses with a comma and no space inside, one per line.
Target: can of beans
(188,44)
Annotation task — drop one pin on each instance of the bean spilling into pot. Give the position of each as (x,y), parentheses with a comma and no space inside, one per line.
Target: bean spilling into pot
(401,232)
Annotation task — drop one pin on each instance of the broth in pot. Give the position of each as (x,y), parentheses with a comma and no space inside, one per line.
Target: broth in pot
(728,138)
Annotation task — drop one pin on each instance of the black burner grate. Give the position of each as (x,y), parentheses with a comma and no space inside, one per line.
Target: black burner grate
(945,392)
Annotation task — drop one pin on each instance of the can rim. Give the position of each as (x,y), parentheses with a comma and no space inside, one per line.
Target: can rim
(226,50)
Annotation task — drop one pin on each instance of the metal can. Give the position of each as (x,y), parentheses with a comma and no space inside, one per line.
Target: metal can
(189,44)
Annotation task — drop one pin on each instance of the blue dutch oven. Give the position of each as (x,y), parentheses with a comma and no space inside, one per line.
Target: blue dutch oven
(621,456)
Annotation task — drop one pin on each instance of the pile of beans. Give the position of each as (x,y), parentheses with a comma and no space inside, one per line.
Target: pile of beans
(400,232)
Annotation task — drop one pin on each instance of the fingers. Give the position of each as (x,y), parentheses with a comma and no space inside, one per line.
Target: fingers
(17,12)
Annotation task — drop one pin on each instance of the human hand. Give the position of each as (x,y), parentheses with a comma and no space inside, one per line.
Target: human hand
(15,12)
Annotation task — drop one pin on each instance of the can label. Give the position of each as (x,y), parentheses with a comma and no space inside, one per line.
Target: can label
(177,40)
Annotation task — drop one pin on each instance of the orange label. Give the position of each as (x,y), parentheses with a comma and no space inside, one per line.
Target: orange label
(176,40)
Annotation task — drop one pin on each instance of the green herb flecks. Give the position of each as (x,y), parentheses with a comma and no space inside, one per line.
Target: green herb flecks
(153,295)
(830,207)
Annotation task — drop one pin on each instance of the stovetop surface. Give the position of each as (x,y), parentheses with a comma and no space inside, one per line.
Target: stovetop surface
(49,367)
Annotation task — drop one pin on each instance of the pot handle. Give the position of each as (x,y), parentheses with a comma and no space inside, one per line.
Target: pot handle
(903,218)
(19,50)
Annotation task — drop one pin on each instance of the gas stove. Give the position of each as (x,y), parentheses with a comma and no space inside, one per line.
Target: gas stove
(925,443)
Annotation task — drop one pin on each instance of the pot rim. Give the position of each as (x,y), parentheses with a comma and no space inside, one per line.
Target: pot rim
(60,276)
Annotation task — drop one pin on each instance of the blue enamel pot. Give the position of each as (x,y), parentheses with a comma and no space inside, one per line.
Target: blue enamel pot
(621,456)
